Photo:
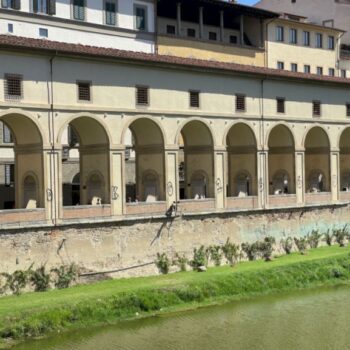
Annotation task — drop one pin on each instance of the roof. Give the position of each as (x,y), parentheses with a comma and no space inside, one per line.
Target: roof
(57,48)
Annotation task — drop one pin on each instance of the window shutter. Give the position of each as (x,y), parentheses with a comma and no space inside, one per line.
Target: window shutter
(17,4)
(51,7)
(240,103)
(4,3)
(194,99)
(35,6)
(142,97)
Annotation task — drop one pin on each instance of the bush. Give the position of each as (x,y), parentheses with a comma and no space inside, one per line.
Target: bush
(181,262)
(287,245)
(314,238)
(231,252)
(266,247)
(40,279)
(16,281)
(215,254)
(200,258)
(301,244)
(251,250)
(163,263)
(340,235)
(328,237)
(65,275)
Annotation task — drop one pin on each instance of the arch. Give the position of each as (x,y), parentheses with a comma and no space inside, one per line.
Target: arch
(241,135)
(314,129)
(281,126)
(202,123)
(280,135)
(30,191)
(233,125)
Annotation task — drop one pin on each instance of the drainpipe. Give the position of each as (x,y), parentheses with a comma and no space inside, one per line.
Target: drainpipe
(262,136)
(155,27)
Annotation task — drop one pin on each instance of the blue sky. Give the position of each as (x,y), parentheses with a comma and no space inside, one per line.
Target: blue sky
(248,2)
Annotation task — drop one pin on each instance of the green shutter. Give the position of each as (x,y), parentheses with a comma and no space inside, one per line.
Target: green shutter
(51,7)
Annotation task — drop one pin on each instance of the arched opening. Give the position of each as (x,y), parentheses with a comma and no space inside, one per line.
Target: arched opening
(196,162)
(85,163)
(21,164)
(242,162)
(317,161)
(344,161)
(144,162)
(281,161)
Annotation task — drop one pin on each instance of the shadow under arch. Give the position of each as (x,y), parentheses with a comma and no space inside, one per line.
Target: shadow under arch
(344,160)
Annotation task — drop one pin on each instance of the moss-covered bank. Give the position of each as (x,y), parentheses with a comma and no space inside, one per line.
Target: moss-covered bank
(41,313)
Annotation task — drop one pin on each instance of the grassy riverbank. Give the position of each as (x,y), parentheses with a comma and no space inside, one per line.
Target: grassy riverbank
(37,314)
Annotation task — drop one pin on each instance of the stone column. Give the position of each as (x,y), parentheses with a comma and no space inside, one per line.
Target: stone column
(117,183)
(201,29)
(263,179)
(219,171)
(300,176)
(335,175)
(171,175)
(178,18)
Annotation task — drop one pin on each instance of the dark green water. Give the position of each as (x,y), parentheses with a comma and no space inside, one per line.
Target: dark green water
(318,319)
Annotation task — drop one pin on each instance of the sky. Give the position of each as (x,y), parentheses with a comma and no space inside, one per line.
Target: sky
(247,2)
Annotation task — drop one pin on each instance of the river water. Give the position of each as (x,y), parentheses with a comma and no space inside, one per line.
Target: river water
(317,319)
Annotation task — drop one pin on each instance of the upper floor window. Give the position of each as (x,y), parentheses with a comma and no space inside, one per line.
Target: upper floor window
(170,29)
(348,109)
(79,10)
(233,39)
(294,67)
(306,38)
(279,33)
(110,12)
(9,174)
(293,36)
(319,71)
(140,13)
(331,43)
(280,105)
(212,36)
(47,7)
(280,65)
(194,99)
(240,103)
(316,108)
(13,87)
(142,95)
(191,32)
(6,134)
(331,72)
(11,4)
(319,40)
(84,91)
(343,73)
(307,69)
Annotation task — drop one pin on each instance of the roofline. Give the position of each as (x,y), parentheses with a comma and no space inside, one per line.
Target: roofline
(51,48)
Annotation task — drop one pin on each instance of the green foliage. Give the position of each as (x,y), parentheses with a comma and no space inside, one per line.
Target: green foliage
(40,279)
(314,238)
(163,263)
(328,237)
(17,280)
(251,250)
(181,261)
(287,245)
(266,247)
(65,275)
(302,244)
(215,254)
(340,235)
(200,258)
(231,252)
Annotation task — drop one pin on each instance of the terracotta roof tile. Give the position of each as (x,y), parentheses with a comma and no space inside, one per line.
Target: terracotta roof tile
(15,42)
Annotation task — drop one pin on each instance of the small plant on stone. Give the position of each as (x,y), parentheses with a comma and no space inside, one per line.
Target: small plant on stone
(314,238)
(163,263)
(328,237)
(232,252)
(65,275)
(40,279)
(181,261)
(287,245)
(216,254)
(17,280)
(302,244)
(266,247)
(340,235)
(251,250)
(200,258)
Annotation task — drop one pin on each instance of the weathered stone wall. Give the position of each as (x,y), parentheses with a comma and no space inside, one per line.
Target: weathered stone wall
(127,244)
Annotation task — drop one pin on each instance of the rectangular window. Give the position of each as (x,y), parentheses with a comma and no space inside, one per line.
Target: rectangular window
(13,87)
(73,138)
(319,40)
(84,91)
(293,36)
(233,39)
(170,29)
(316,108)
(10,28)
(140,13)
(280,105)
(294,67)
(43,33)
(11,4)
(343,73)
(212,36)
(194,99)
(142,95)
(279,33)
(280,65)
(9,174)
(111,13)
(6,134)
(306,38)
(307,69)
(331,72)
(348,109)
(319,71)
(191,32)
(79,10)
(331,43)
(240,103)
